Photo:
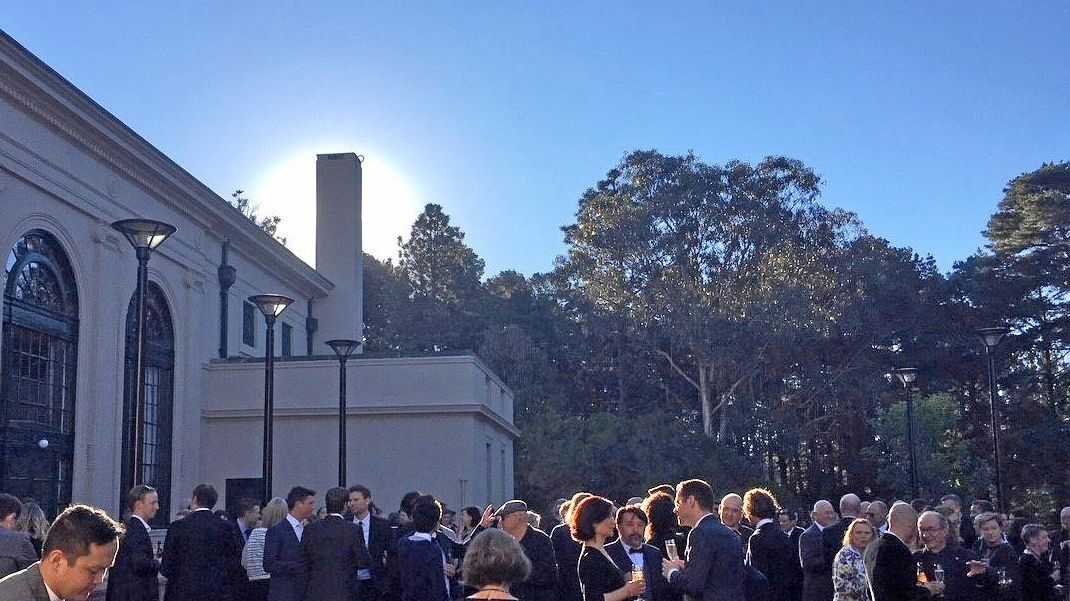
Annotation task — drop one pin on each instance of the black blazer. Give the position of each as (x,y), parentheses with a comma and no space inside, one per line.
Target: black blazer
(893,575)
(567,554)
(134,575)
(1001,556)
(541,584)
(200,559)
(598,575)
(816,565)
(421,571)
(284,559)
(657,587)
(334,551)
(770,552)
(795,572)
(381,544)
(1037,583)
(714,570)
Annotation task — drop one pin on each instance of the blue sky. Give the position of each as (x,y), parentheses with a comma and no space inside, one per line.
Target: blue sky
(916,114)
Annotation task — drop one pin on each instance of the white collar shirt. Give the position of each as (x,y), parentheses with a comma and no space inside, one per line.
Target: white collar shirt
(143,522)
(298,527)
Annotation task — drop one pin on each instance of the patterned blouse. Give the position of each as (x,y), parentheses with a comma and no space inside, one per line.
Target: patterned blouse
(849,576)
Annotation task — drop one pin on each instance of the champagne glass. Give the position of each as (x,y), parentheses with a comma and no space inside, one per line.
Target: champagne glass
(938,573)
(670,550)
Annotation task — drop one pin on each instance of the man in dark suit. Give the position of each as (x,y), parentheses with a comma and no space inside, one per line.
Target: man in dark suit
(134,577)
(284,558)
(789,520)
(16,550)
(246,517)
(333,550)
(814,555)
(78,550)
(629,551)
(201,559)
(378,544)
(850,510)
(967,536)
(714,569)
(769,550)
(541,584)
(893,575)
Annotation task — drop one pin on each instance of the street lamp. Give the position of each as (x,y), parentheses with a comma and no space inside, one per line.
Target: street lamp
(991,337)
(343,349)
(145,235)
(907,376)
(272,306)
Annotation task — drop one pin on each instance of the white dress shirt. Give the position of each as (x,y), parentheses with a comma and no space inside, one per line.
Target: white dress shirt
(366,527)
(298,527)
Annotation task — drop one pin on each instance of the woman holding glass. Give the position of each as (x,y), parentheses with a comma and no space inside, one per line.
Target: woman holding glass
(848,568)
(592,522)
(1003,576)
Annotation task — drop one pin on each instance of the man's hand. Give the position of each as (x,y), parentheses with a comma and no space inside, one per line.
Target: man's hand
(668,565)
(488,517)
(976,568)
(934,588)
(451,571)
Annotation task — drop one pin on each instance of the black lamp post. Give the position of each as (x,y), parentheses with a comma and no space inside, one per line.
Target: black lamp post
(343,348)
(907,376)
(991,337)
(272,306)
(145,235)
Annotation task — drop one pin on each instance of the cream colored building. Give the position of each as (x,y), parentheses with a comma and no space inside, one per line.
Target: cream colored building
(68,169)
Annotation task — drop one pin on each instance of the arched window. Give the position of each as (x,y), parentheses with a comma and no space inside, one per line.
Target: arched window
(159,399)
(40,357)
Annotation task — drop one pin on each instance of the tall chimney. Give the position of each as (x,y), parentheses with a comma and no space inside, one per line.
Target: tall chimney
(338,247)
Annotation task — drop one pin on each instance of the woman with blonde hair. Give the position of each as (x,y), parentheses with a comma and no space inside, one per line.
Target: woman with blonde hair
(252,556)
(849,569)
(32,521)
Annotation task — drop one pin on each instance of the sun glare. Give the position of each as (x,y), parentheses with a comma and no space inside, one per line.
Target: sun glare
(288,190)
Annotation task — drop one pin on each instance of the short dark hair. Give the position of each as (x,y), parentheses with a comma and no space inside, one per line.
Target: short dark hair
(792,514)
(361,489)
(138,493)
(335,499)
(698,489)
(584,516)
(78,527)
(245,505)
(1031,531)
(426,512)
(298,493)
(984,504)
(204,495)
(473,513)
(408,500)
(634,510)
(9,504)
(760,504)
(659,508)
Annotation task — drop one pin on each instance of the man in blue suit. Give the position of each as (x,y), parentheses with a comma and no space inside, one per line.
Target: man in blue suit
(714,568)
(629,550)
(284,557)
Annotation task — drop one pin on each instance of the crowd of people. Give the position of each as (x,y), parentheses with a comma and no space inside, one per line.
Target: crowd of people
(674,543)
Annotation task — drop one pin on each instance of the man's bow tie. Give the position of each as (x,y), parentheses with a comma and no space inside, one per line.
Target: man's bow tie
(635,551)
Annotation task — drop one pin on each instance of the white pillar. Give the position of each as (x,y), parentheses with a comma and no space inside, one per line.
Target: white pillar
(338,248)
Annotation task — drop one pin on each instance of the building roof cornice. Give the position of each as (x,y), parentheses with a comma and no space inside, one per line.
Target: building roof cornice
(38,90)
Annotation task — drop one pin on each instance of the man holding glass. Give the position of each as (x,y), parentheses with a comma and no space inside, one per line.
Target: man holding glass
(632,555)
(956,567)
(713,570)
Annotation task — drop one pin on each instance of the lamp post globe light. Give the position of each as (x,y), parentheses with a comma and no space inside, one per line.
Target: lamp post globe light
(991,337)
(145,235)
(272,306)
(907,376)
(343,348)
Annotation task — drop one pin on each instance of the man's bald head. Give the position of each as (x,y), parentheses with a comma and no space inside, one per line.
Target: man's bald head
(903,521)
(824,514)
(731,510)
(876,513)
(850,505)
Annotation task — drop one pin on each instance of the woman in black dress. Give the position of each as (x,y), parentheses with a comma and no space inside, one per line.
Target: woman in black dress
(592,522)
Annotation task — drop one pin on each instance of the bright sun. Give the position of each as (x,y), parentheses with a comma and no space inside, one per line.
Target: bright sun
(288,190)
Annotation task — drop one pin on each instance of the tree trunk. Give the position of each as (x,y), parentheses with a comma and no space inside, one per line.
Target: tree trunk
(707,401)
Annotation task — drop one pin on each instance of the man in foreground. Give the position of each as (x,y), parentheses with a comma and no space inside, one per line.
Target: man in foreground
(77,552)
(714,568)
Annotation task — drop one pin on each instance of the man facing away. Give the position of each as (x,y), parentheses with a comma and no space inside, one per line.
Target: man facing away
(201,558)
(816,555)
(134,577)
(893,575)
(16,550)
(284,558)
(714,568)
(78,550)
(334,551)
(378,543)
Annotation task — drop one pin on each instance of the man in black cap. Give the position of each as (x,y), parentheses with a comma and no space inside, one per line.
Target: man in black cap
(541,585)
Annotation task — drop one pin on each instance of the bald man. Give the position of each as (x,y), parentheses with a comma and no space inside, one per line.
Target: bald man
(893,575)
(731,514)
(816,553)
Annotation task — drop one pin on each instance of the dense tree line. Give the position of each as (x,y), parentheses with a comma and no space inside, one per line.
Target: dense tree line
(718,320)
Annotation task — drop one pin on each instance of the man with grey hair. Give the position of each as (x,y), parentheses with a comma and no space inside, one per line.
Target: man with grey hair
(731,514)
(816,553)
(963,574)
(890,567)
(877,515)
